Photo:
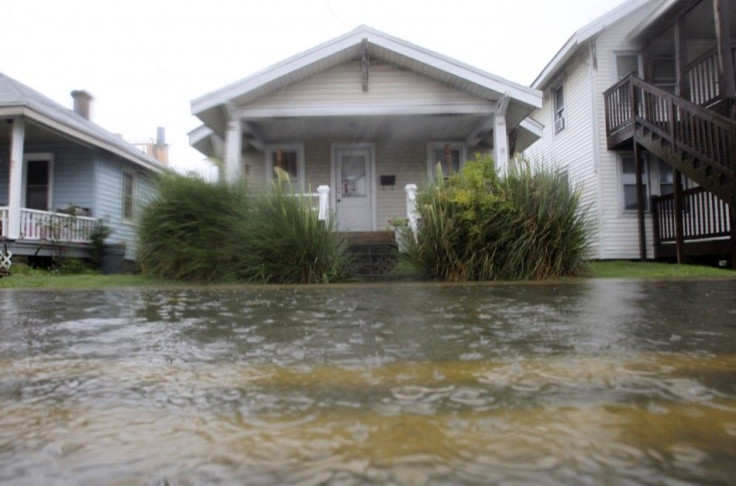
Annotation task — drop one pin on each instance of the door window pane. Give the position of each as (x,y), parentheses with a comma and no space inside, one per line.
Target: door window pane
(352,175)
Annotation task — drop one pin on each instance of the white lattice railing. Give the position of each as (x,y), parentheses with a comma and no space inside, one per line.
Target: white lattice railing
(4,221)
(319,201)
(45,225)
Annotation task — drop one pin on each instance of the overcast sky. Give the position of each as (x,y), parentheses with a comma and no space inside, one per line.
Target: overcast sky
(144,60)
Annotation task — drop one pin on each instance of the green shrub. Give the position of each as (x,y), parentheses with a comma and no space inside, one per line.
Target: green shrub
(99,234)
(71,266)
(194,230)
(288,244)
(186,231)
(478,226)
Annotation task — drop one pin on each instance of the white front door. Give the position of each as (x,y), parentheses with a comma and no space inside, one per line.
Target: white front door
(353,178)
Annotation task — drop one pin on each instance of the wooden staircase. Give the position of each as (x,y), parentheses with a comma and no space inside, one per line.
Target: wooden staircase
(698,142)
(374,255)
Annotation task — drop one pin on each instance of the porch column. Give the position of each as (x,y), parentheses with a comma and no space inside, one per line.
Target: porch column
(233,150)
(411,208)
(500,144)
(17,169)
(640,200)
(679,232)
(683,84)
(721,13)
(324,202)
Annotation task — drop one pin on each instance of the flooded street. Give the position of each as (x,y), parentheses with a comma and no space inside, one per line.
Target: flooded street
(590,382)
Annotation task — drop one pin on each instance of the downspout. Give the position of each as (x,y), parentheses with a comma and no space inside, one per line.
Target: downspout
(592,69)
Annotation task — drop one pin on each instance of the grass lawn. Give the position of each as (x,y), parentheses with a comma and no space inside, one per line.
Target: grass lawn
(634,269)
(25,278)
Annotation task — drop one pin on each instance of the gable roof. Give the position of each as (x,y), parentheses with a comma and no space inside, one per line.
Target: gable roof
(18,99)
(348,46)
(583,35)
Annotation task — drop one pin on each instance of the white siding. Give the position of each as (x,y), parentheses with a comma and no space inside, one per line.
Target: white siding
(618,229)
(343,86)
(571,148)
(254,169)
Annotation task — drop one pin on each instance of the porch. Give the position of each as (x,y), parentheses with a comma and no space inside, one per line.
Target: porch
(46,233)
(698,227)
(697,143)
(679,106)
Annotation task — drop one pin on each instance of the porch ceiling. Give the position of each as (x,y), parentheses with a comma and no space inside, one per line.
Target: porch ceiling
(425,127)
(34,134)
(699,28)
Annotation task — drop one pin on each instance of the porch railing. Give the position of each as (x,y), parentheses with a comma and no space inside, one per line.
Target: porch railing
(704,216)
(45,225)
(702,78)
(4,221)
(319,201)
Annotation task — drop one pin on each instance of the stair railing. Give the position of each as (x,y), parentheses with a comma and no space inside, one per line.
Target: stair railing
(687,127)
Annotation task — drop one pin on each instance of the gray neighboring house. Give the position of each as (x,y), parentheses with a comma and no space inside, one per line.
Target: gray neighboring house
(60,173)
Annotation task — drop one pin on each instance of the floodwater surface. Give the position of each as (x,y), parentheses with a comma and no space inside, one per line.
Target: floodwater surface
(593,382)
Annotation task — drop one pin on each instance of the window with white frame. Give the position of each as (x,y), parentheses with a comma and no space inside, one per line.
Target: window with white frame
(626,63)
(128,190)
(450,155)
(560,115)
(628,182)
(666,178)
(658,180)
(38,177)
(289,158)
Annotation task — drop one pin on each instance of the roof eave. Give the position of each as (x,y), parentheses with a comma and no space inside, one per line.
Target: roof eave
(582,36)
(90,139)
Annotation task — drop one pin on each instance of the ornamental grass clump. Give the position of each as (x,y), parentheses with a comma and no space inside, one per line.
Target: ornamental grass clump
(478,226)
(194,230)
(286,241)
(186,231)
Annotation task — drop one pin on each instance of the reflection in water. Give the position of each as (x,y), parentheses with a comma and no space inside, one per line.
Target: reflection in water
(573,383)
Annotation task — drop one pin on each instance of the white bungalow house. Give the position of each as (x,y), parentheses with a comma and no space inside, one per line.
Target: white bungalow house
(363,116)
(60,172)
(638,108)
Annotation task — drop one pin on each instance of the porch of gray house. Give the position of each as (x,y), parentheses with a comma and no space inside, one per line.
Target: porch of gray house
(48,234)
